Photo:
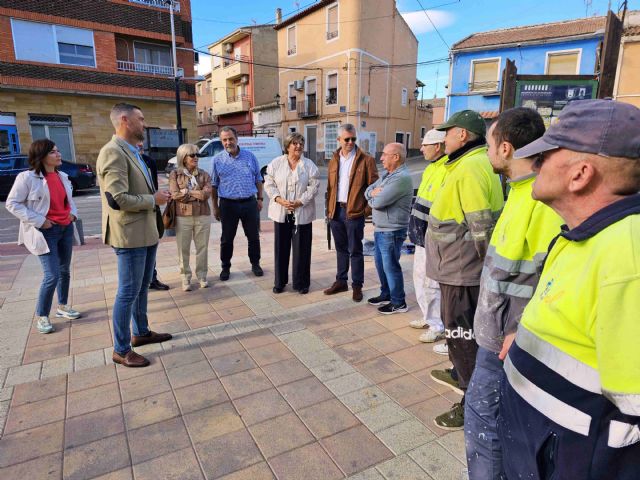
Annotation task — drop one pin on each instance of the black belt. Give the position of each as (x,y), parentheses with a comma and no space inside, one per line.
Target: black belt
(238,200)
(342,204)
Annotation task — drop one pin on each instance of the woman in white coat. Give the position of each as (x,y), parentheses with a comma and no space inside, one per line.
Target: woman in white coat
(41,198)
(292,183)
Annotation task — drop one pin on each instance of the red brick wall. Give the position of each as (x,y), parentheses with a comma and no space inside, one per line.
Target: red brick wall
(105,51)
(6,40)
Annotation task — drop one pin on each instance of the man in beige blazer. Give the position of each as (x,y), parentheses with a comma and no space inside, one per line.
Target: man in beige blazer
(129,202)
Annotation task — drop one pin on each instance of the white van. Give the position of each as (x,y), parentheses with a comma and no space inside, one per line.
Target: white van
(264,148)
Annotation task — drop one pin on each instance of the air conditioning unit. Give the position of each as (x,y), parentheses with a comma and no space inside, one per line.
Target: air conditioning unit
(227,47)
(244,79)
(298,84)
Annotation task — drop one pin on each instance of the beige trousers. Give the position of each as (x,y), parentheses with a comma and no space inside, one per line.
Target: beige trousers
(194,229)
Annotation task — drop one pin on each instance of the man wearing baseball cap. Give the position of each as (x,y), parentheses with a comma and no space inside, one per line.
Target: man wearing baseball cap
(461,220)
(570,402)
(427,290)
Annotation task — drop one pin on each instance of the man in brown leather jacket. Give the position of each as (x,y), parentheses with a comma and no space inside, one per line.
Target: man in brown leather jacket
(350,172)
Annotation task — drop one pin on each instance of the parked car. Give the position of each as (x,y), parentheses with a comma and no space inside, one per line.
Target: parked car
(264,148)
(81,175)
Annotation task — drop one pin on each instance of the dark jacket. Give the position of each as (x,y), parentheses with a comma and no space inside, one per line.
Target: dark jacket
(363,173)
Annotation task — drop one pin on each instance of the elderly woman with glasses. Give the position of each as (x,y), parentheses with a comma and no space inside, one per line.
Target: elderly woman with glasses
(190,188)
(292,184)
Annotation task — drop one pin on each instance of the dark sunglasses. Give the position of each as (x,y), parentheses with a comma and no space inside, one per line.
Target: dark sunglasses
(192,155)
(350,139)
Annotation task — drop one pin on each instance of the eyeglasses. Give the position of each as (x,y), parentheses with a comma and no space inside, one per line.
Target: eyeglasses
(350,139)
(54,152)
(192,155)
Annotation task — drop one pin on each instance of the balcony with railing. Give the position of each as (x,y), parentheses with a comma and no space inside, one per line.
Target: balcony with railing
(308,108)
(236,66)
(332,34)
(162,70)
(490,87)
(158,4)
(235,103)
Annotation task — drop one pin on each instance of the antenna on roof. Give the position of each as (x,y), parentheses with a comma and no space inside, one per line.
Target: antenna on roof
(587,6)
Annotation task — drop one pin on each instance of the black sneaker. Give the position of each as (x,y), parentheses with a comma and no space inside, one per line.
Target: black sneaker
(224,274)
(390,308)
(379,300)
(257,270)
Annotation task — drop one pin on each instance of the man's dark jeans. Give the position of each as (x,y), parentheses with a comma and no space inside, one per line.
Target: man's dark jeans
(232,212)
(347,237)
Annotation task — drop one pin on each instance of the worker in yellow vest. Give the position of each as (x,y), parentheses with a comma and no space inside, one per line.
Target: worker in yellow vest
(570,402)
(510,274)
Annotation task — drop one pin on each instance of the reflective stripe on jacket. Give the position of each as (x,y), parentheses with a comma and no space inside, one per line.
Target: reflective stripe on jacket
(432,179)
(462,218)
(577,345)
(513,264)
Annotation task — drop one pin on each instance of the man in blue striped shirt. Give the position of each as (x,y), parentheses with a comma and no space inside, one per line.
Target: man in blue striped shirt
(236,180)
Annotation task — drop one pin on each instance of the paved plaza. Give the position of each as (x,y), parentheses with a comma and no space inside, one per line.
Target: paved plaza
(253,385)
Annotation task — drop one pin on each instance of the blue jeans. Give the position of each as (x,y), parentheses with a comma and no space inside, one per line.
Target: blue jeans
(388,246)
(347,239)
(484,453)
(135,269)
(56,267)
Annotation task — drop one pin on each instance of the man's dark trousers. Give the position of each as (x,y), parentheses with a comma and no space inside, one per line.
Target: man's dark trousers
(347,238)
(232,212)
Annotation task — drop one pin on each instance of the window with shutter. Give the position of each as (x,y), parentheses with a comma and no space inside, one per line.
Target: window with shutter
(484,75)
(562,63)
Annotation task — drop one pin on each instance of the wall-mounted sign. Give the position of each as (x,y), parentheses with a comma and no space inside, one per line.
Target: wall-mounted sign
(163,138)
(549,97)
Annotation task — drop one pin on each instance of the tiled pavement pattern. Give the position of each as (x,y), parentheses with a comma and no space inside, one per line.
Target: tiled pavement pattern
(253,385)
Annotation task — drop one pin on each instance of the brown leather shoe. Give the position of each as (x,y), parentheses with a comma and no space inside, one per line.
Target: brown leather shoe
(337,287)
(357,294)
(153,337)
(131,359)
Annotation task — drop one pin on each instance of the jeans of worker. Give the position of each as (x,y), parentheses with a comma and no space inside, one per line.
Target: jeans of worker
(288,235)
(347,238)
(427,291)
(484,453)
(232,212)
(135,269)
(458,307)
(56,267)
(388,246)
(194,229)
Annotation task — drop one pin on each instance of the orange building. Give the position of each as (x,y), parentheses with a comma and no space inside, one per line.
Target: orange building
(63,65)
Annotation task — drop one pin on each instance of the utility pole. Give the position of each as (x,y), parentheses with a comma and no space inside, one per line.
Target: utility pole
(176,77)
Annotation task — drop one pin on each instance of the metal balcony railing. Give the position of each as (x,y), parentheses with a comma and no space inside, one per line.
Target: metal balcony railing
(164,70)
(291,51)
(158,4)
(331,35)
(307,108)
(237,98)
(235,59)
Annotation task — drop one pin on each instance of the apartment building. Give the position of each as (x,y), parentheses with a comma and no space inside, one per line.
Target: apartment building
(627,84)
(206,120)
(350,61)
(237,82)
(63,65)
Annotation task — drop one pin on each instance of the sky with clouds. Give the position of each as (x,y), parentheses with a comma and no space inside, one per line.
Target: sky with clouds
(453,20)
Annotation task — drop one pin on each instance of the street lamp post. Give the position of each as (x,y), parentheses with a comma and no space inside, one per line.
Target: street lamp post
(176,77)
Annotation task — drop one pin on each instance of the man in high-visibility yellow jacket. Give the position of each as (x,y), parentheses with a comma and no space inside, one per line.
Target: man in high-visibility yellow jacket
(570,403)
(510,274)
(427,290)
(461,220)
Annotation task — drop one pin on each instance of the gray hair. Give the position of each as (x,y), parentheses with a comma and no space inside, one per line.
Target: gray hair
(120,109)
(346,127)
(292,137)
(228,129)
(471,136)
(184,150)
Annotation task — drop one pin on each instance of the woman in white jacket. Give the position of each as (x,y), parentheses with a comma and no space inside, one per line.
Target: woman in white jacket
(41,199)
(292,183)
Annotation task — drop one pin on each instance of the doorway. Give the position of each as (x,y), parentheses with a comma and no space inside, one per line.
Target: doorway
(311,142)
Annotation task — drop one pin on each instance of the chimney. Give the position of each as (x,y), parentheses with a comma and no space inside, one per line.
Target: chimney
(278,16)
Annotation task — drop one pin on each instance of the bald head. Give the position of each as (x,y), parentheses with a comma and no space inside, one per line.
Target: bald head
(393,156)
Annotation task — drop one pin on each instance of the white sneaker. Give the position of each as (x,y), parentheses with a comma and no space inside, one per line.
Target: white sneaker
(67,312)
(431,336)
(44,325)
(204,284)
(441,349)
(418,324)
(186,286)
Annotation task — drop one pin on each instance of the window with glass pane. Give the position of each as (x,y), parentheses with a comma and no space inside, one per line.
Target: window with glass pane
(332,22)
(562,63)
(292,97)
(332,89)
(330,138)
(57,129)
(152,54)
(291,40)
(485,75)
(76,54)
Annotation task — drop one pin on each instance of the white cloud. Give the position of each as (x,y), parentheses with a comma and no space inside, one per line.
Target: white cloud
(419,23)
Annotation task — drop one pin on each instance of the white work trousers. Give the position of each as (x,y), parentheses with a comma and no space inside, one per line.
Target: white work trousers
(427,291)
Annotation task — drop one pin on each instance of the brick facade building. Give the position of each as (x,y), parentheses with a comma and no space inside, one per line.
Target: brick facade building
(64,64)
